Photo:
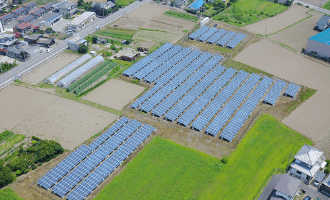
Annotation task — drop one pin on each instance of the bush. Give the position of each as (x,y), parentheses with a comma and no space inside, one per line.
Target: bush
(18,172)
(5,135)
(9,194)
(6,175)
(36,138)
(20,163)
(82,48)
(328,162)
(327,170)
(224,159)
(94,39)
(39,164)
(34,167)
(45,150)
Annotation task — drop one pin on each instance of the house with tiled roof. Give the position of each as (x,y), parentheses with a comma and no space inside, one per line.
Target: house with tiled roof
(19,12)
(30,6)
(25,28)
(38,13)
(5,19)
(307,162)
(48,7)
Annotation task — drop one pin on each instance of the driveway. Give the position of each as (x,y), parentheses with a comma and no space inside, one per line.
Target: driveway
(270,187)
(313,192)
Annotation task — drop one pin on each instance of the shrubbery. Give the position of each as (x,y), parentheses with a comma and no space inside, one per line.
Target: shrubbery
(6,175)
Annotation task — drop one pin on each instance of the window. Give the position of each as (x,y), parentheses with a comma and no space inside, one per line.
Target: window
(299,172)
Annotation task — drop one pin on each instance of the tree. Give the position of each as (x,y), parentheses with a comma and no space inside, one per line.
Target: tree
(94,39)
(6,175)
(24,55)
(80,3)
(82,48)
(49,30)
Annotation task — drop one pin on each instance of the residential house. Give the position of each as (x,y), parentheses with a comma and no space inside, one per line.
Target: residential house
(25,28)
(52,20)
(6,19)
(3,4)
(19,12)
(32,39)
(180,2)
(307,162)
(73,43)
(102,9)
(16,53)
(197,5)
(323,23)
(325,187)
(81,21)
(46,42)
(26,19)
(286,188)
(66,8)
(18,1)
(30,6)
(48,7)
(38,13)
(7,40)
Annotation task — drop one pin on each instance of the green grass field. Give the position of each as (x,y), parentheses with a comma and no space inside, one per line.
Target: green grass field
(124,34)
(245,12)
(9,194)
(181,16)
(11,141)
(326,6)
(166,170)
(124,3)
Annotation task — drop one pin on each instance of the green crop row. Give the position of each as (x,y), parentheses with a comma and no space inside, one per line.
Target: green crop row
(87,76)
(94,78)
(5,135)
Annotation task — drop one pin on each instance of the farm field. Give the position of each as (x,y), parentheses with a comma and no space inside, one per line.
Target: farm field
(114,94)
(297,35)
(30,112)
(50,68)
(166,168)
(154,36)
(294,14)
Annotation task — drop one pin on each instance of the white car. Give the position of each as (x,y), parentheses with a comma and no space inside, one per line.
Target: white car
(48,50)
(68,31)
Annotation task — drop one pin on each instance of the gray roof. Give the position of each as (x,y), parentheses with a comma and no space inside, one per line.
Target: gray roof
(6,35)
(45,40)
(81,18)
(33,36)
(102,5)
(327,181)
(288,185)
(12,49)
(323,20)
(52,18)
(64,4)
(309,155)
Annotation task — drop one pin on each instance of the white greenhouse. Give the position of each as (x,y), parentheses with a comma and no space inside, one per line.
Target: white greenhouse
(55,77)
(65,82)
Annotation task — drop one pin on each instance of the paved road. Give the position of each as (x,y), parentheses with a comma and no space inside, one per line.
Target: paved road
(35,62)
(314,7)
(313,192)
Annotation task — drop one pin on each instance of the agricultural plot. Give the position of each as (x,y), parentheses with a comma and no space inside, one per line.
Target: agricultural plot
(114,94)
(181,16)
(153,36)
(123,34)
(30,112)
(165,168)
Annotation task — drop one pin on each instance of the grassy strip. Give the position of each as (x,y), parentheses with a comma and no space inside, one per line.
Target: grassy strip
(287,47)
(124,34)
(181,16)
(124,3)
(326,6)
(5,135)
(290,26)
(304,95)
(240,66)
(12,141)
(9,194)
(147,29)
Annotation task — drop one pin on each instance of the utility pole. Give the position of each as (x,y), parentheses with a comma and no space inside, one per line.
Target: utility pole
(288,161)
(265,30)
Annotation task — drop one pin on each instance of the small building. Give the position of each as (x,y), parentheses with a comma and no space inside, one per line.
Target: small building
(319,44)
(32,39)
(3,4)
(286,188)
(7,40)
(325,187)
(323,23)
(102,9)
(65,8)
(26,19)
(19,12)
(81,21)
(196,6)
(307,162)
(6,19)
(52,20)
(101,41)
(46,42)
(16,54)
(30,6)
(25,28)
(38,13)
(73,43)
(180,2)
(48,7)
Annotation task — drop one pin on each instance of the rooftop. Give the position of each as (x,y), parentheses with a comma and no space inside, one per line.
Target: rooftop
(47,6)
(81,18)
(308,154)
(39,11)
(26,25)
(327,181)
(6,35)
(64,4)
(323,37)
(19,10)
(45,41)
(288,185)
(323,20)
(30,4)
(33,36)
(197,4)
(26,18)
(52,18)
(7,16)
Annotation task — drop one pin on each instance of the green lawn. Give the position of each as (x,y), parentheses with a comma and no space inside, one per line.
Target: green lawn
(123,3)
(326,6)
(11,141)
(181,15)
(9,194)
(166,170)
(124,34)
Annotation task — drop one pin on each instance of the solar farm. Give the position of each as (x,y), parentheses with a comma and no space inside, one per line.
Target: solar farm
(192,89)
(84,169)
(216,36)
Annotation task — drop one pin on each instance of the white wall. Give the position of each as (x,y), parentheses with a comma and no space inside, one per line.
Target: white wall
(323,50)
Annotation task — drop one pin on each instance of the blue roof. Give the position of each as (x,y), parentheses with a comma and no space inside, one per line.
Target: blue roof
(323,37)
(52,18)
(18,10)
(32,3)
(47,6)
(27,18)
(39,11)
(197,4)
(7,16)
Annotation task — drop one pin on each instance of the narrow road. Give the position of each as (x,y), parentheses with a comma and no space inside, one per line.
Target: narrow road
(313,7)
(33,63)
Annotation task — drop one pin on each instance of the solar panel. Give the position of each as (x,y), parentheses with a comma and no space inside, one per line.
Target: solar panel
(319,177)
(225,39)
(206,116)
(236,40)
(292,90)
(224,115)
(216,36)
(244,112)
(207,96)
(274,92)
(207,34)
(198,33)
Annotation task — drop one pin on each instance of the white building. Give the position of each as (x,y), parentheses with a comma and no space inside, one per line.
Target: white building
(81,21)
(51,21)
(73,43)
(319,44)
(307,162)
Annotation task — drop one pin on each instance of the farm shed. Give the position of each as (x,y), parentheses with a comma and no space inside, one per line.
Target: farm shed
(48,7)
(5,19)
(53,78)
(73,43)
(52,20)
(30,6)
(323,23)
(319,44)
(65,82)
(81,21)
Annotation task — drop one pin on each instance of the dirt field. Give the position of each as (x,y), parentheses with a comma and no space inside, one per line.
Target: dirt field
(280,21)
(30,112)
(297,36)
(154,36)
(311,118)
(50,68)
(114,94)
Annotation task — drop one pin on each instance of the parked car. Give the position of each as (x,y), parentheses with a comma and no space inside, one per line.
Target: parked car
(308,198)
(215,25)
(68,31)
(49,50)
(98,28)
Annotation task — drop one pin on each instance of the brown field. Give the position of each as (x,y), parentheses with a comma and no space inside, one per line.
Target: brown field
(50,68)
(294,14)
(35,113)
(296,36)
(311,118)
(114,94)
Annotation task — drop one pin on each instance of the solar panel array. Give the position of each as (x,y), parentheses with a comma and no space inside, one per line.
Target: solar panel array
(124,129)
(274,92)
(206,116)
(224,115)
(244,112)
(207,34)
(217,36)
(319,177)
(292,90)
(225,39)
(199,32)
(236,40)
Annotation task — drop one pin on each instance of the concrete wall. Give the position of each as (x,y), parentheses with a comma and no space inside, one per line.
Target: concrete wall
(322,50)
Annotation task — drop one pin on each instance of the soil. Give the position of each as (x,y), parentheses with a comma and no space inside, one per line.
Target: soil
(49,68)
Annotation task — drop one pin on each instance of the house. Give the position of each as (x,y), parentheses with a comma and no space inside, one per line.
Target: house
(38,13)
(3,4)
(6,19)
(46,42)
(102,9)
(81,21)
(196,6)
(325,187)
(323,23)
(26,19)
(16,53)
(286,188)
(73,43)
(52,20)
(307,162)
(7,40)
(319,44)
(30,6)
(32,39)
(18,1)
(65,8)
(180,2)
(48,7)
(101,41)
(19,12)
(25,28)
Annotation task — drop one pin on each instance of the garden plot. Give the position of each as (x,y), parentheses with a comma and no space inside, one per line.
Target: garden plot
(114,94)
(270,25)
(297,36)
(32,112)
(50,68)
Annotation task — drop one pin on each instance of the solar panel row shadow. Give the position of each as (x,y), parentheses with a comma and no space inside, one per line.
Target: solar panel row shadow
(274,92)
(292,90)
(198,33)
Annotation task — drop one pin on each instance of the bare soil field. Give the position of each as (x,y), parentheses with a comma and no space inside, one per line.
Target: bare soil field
(50,68)
(35,113)
(155,36)
(294,14)
(114,94)
(297,35)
